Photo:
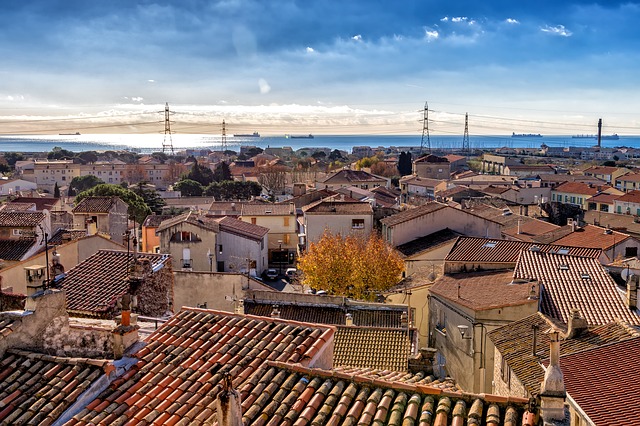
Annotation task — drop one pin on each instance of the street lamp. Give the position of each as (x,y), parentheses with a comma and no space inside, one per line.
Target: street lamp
(463,332)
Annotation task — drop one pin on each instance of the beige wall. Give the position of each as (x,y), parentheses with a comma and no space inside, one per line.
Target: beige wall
(281,228)
(71,254)
(513,387)
(315,225)
(217,290)
(198,249)
(430,262)
(417,302)
(47,173)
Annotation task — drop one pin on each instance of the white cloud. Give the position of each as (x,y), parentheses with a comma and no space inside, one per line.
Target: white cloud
(445,19)
(264,86)
(559,30)
(357,37)
(137,99)
(459,19)
(151,81)
(431,34)
(512,21)
(310,49)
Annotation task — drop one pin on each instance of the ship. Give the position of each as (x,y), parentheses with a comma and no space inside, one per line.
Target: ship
(69,134)
(613,137)
(309,136)
(526,135)
(248,135)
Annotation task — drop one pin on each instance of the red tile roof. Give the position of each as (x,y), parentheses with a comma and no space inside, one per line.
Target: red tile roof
(613,382)
(605,198)
(485,250)
(629,197)
(629,177)
(96,205)
(7,325)
(94,286)
(530,228)
(18,207)
(20,218)
(245,229)
(570,282)
(580,188)
(37,388)
(347,175)
(592,236)
(179,373)
(63,235)
(267,209)
(514,342)
(41,203)
(601,170)
(478,290)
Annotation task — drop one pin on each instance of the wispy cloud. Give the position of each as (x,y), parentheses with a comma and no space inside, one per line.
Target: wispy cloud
(309,49)
(357,37)
(264,86)
(511,21)
(558,30)
(431,35)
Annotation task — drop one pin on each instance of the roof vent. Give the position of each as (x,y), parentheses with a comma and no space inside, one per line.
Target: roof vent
(585,276)
(268,211)
(563,267)
(608,231)
(563,251)
(534,248)
(506,212)
(490,244)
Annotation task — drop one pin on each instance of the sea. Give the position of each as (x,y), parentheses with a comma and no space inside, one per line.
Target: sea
(147,143)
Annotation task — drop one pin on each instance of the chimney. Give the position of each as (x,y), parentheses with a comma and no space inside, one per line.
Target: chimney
(632,292)
(572,223)
(239,308)
(228,404)
(126,333)
(519,224)
(404,320)
(348,319)
(275,313)
(552,390)
(577,324)
(92,227)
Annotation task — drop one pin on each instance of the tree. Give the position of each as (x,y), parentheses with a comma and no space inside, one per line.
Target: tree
(13,157)
(56,191)
(233,190)
(150,196)
(273,177)
(138,210)
(253,151)
(222,172)
(87,157)
(351,266)
(319,155)
(404,163)
(82,183)
(58,153)
(189,188)
(335,155)
(201,174)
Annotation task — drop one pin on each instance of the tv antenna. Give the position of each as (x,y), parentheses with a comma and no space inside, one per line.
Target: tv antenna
(425,130)
(167,143)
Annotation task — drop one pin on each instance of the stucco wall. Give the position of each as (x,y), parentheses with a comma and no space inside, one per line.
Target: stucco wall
(198,249)
(316,224)
(420,307)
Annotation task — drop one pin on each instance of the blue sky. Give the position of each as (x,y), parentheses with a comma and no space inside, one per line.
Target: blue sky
(334,67)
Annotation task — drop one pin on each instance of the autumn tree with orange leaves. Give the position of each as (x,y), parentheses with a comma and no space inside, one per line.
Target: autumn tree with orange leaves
(351,266)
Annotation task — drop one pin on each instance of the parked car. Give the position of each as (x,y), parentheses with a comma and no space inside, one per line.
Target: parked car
(271,274)
(291,273)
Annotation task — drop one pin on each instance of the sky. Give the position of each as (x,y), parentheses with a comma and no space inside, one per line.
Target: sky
(366,67)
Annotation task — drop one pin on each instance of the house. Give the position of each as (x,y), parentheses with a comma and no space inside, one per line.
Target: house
(107,215)
(22,234)
(48,173)
(411,186)
(463,309)
(629,203)
(457,163)
(526,170)
(627,224)
(14,186)
(606,173)
(602,202)
(432,167)
(94,286)
(416,222)
(42,203)
(150,240)
(201,243)
(577,193)
(628,182)
(339,217)
(571,282)
(473,253)
(280,220)
(347,177)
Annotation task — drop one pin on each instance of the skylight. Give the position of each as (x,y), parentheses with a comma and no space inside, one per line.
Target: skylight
(563,251)
(490,244)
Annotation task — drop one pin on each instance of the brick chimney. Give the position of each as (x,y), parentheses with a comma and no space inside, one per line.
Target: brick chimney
(552,390)
(632,292)
(228,404)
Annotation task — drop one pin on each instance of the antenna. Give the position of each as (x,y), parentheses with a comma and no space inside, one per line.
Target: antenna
(465,137)
(167,146)
(224,136)
(425,130)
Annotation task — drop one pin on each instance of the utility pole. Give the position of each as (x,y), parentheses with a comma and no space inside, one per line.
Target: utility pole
(465,138)
(425,130)
(167,145)
(224,136)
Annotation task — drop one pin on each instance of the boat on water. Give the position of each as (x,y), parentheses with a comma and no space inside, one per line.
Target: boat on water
(526,135)
(309,136)
(613,137)
(69,134)
(247,135)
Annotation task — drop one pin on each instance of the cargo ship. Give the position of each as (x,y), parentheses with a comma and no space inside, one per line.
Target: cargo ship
(309,136)
(248,135)
(613,137)
(526,135)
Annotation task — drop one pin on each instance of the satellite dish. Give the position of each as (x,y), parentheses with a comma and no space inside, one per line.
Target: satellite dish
(626,274)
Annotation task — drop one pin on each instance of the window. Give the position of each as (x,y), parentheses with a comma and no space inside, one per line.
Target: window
(631,251)
(286,221)
(253,220)
(357,223)
(220,248)
(505,372)
(17,232)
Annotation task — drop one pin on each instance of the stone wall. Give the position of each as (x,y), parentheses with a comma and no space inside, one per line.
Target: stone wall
(155,296)
(63,338)
(502,388)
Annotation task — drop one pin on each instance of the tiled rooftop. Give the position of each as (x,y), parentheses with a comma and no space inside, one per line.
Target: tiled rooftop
(485,250)
(427,242)
(154,220)
(193,218)
(570,282)
(613,384)
(63,235)
(40,202)
(529,229)
(267,209)
(629,197)
(94,285)
(346,175)
(338,207)
(478,290)
(629,177)
(601,170)
(245,229)
(379,316)
(420,181)
(36,389)
(95,205)
(286,395)
(592,236)
(446,384)
(179,373)
(412,213)
(580,188)
(606,198)
(18,207)
(20,218)
(371,347)
(15,250)
(7,325)
(515,342)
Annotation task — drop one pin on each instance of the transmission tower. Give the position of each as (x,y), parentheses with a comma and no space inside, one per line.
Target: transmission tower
(224,136)
(465,137)
(167,143)
(425,130)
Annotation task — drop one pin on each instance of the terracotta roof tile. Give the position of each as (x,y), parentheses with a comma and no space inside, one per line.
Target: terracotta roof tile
(514,341)
(163,361)
(591,236)
(629,177)
(569,282)
(629,197)
(485,250)
(16,249)
(94,285)
(427,242)
(18,207)
(347,175)
(370,347)
(41,203)
(267,209)
(20,218)
(95,205)
(246,229)
(63,235)
(37,388)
